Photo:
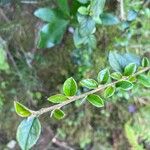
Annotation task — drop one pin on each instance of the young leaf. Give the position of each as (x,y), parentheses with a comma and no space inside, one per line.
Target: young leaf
(89,83)
(83,10)
(95,100)
(58,114)
(58,98)
(103,76)
(144,80)
(109,92)
(145,62)
(21,110)
(130,69)
(125,85)
(70,87)
(116,75)
(28,133)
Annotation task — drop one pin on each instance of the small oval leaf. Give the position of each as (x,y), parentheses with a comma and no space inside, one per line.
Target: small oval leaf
(103,76)
(144,80)
(58,114)
(70,87)
(109,92)
(83,10)
(89,83)
(130,69)
(116,75)
(28,133)
(58,98)
(125,85)
(95,100)
(21,110)
(145,62)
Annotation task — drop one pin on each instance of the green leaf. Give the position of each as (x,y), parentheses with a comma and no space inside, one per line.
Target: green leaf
(3,60)
(52,33)
(83,1)
(83,10)
(21,110)
(58,98)
(89,83)
(95,100)
(97,7)
(46,14)
(132,14)
(103,76)
(116,75)
(109,92)
(87,25)
(63,5)
(119,61)
(144,80)
(70,87)
(28,133)
(58,114)
(109,19)
(125,85)
(130,69)
(145,62)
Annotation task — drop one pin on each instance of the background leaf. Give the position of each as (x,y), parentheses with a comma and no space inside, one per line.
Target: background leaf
(144,80)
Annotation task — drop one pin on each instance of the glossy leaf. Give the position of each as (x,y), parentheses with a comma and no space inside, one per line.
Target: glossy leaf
(28,133)
(116,75)
(58,98)
(89,83)
(70,87)
(52,33)
(21,110)
(144,80)
(109,19)
(58,114)
(95,100)
(109,92)
(130,69)
(125,85)
(145,62)
(103,76)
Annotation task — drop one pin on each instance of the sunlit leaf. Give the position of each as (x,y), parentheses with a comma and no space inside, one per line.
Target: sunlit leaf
(95,100)
(125,85)
(58,98)
(70,87)
(89,83)
(21,110)
(109,92)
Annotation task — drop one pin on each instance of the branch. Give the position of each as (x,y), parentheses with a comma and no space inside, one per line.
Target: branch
(74,98)
(122,13)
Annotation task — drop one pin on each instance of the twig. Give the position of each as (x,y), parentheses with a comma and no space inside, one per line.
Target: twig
(122,12)
(74,98)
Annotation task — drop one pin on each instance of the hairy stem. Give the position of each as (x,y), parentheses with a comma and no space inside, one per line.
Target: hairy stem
(74,98)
